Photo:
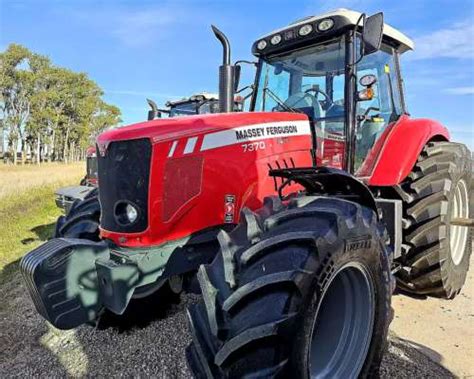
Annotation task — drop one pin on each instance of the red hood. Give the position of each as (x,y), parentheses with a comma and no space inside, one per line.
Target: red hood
(171,128)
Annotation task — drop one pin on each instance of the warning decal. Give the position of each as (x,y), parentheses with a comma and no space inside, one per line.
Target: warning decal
(229,209)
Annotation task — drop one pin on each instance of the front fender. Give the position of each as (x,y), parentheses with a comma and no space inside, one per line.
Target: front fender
(402,147)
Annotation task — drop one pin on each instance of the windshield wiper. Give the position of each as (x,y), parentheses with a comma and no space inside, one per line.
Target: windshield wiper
(279,101)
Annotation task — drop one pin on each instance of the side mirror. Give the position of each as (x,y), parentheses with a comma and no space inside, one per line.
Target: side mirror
(372,34)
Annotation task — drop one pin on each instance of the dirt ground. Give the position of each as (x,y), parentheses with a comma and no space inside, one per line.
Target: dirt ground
(443,330)
(429,339)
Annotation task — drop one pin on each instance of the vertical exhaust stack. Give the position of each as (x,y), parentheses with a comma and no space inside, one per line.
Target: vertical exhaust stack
(153,113)
(226,75)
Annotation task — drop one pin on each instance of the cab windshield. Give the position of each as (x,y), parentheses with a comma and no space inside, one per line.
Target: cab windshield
(183,109)
(309,81)
(194,107)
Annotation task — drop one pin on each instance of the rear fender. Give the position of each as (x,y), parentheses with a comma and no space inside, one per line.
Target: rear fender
(402,147)
(327,181)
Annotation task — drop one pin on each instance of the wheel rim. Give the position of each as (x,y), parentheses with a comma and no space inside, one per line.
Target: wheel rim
(343,325)
(458,234)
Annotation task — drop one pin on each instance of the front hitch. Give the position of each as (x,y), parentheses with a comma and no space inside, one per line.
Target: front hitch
(72,280)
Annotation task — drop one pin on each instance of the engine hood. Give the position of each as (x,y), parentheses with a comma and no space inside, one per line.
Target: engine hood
(172,128)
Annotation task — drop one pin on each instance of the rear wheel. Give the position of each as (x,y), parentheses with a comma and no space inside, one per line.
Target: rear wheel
(436,253)
(302,289)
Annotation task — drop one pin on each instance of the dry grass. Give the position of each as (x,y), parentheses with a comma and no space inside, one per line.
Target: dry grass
(15,180)
(27,209)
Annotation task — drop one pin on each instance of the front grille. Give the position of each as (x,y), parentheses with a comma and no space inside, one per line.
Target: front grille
(124,174)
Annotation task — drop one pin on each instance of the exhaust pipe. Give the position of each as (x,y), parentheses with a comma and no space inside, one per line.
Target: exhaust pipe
(153,113)
(227,74)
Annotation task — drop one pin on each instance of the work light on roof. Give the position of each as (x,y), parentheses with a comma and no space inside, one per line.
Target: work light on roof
(305,30)
(325,24)
(262,44)
(276,39)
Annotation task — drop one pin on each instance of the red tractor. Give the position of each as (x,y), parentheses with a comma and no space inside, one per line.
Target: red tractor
(295,216)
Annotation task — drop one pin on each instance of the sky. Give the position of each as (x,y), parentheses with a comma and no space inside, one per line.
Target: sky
(165,49)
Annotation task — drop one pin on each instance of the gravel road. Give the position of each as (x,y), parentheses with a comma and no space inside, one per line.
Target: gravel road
(29,347)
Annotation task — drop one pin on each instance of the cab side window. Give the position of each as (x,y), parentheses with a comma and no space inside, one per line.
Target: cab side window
(375,115)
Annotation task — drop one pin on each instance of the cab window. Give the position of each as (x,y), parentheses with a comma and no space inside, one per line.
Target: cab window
(385,107)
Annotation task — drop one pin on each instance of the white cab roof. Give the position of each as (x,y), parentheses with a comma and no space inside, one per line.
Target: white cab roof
(353,16)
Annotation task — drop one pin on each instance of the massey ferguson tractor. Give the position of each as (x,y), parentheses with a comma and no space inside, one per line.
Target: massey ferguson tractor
(295,217)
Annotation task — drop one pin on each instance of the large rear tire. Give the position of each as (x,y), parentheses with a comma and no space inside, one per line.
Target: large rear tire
(436,254)
(297,290)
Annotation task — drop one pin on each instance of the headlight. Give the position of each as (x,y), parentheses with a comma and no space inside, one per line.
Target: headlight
(325,25)
(276,39)
(126,213)
(132,213)
(262,44)
(305,30)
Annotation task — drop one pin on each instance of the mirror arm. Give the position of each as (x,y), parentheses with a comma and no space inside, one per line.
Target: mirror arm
(251,86)
(362,17)
(239,63)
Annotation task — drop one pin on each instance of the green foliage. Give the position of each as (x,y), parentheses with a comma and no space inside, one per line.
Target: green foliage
(51,111)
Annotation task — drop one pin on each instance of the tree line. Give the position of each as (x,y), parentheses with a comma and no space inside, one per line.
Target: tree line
(48,113)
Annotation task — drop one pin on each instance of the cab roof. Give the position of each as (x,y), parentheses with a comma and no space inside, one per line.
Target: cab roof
(350,17)
(199,96)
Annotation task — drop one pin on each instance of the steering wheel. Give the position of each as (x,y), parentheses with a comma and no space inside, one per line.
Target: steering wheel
(317,90)
(304,100)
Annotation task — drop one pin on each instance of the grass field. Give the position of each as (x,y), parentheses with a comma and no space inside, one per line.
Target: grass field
(27,209)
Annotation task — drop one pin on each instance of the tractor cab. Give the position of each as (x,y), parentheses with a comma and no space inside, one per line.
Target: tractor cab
(341,69)
(199,103)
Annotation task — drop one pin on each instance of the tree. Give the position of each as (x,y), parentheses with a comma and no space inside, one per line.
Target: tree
(49,108)
(15,88)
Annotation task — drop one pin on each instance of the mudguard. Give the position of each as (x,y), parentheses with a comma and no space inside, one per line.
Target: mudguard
(402,147)
(327,181)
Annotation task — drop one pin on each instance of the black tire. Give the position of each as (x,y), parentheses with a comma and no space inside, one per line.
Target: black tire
(82,221)
(92,193)
(429,265)
(262,292)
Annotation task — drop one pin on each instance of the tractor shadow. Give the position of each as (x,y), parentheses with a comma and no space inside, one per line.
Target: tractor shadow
(140,313)
(42,232)
(401,292)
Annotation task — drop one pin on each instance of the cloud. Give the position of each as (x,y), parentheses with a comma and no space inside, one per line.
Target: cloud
(134,26)
(460,91)
(140,93)
(139,28)
(453,42)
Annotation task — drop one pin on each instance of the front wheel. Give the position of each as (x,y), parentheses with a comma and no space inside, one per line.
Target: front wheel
(300,290)
(82,221)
